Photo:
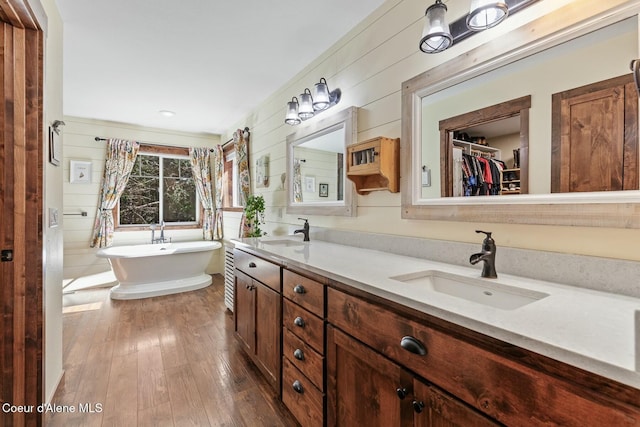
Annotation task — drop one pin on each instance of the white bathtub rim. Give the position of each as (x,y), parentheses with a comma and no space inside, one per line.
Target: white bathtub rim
(155,289)
(159,249)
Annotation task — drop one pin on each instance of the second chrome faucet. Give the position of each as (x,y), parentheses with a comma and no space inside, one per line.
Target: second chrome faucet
(487,255)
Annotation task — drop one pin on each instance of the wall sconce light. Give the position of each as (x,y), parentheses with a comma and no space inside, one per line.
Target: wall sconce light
(311,104)
(305,110)
(436,36)
(292,112)
(485,14)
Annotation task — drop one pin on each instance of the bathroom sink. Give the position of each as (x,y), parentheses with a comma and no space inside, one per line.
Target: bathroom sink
(481,291)
(285,242)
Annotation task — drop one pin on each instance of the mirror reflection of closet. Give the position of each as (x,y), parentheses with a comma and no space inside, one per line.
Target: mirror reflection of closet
(486,151)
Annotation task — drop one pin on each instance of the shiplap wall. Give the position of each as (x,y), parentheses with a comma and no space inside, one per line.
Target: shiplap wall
(369,64)
(79,144)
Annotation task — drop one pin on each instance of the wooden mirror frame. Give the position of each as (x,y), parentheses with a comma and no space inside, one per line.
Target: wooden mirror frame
(347,207)
(615,209)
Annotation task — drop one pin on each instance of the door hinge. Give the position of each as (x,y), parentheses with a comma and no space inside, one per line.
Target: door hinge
(6,255)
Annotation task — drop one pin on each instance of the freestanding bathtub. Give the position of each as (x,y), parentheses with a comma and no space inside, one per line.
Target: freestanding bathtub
(146,271)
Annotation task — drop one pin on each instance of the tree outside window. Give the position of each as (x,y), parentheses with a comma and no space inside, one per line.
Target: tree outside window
(160,188)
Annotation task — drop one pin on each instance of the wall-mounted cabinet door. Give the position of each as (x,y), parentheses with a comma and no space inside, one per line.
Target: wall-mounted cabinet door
(595,137)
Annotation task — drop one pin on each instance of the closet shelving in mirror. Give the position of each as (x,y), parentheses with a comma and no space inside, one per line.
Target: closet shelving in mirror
(511,181)
(373,165)
(473,148)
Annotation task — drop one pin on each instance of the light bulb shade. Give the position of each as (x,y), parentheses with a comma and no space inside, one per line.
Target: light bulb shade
(436,35)
(305,110)
(485,14)
(292,112)
(321,96)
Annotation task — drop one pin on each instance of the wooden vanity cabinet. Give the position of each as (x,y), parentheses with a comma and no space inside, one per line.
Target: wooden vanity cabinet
(258,312)
(460,377)
(364,387)
(303,348)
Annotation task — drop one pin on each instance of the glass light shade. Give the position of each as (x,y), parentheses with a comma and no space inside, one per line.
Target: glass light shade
(436,35)
(292,112)
(305,110)
(485,14)
(321,96)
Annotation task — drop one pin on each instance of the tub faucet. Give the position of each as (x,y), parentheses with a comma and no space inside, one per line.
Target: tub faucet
(161,231)
(153,233)
(160,239)
(488,256)
(304,230)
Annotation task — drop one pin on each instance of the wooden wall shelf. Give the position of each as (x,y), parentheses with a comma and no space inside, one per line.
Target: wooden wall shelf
(374,165)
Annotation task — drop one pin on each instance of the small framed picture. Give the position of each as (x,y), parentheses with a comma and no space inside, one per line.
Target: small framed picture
(309,184)
(324,190)
(80,172)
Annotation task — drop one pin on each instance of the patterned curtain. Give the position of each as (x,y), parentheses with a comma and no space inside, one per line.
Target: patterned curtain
(199,158)
(297,182)
(241,139)
(218,170)
(121,155)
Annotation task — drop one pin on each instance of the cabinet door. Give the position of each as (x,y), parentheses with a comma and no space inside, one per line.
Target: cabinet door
(268,326)
(595,143)
(244,311)
(434,408)
(363,387)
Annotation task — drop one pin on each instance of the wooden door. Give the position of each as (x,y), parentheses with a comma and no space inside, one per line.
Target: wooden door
(244,311)
(434,408)
(595,137)
(363,387)
(21,207)
(268,325)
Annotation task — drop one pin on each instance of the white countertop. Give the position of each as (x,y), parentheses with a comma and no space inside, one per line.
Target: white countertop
(592,330)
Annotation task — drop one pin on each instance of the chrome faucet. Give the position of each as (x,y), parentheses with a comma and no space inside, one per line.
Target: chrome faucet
(488,256)
(304,229)
(160,239)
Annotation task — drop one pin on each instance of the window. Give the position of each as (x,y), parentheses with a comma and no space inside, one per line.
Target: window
(230,180)
(160,188)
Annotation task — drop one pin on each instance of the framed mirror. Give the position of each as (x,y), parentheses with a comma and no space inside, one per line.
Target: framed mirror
(316,166)
(593,42)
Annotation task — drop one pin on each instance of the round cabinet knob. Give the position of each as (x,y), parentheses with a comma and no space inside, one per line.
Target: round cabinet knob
(299,321)
(299,289)
(418,406)
(297,387)
(252,265)
(298,354)
(401,392)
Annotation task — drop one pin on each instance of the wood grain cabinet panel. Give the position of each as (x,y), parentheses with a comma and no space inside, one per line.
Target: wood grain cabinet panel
(303,291)
(302,398)
(258,313)
(501,387)
(303,357)
(306,325)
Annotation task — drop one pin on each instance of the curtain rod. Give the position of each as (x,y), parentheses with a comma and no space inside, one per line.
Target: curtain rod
(230,140)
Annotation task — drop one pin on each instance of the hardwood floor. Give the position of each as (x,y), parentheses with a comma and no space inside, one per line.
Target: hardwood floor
(164,361)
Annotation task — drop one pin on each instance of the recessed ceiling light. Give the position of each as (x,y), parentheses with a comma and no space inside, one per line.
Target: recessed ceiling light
(167,113)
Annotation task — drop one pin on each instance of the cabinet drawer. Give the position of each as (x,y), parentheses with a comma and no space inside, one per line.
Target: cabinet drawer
(303,291)
(508,391)
(307,326)
(303,357)
(258,268)
(302,398)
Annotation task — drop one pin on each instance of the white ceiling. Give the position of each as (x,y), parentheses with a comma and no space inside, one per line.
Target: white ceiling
(210,61)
